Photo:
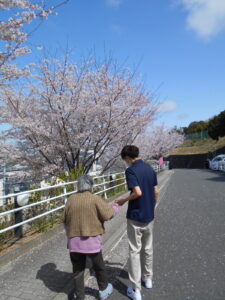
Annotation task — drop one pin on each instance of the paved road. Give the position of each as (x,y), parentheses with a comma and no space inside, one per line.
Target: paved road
(189,241)
(44,272)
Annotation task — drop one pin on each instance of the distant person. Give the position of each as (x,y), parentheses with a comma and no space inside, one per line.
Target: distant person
(161,162)
(142,182)
(84,217)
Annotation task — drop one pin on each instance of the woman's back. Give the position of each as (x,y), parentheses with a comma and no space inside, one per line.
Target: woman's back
(85,214)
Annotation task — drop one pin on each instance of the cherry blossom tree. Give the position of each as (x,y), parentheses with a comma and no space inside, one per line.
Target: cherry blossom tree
(159,141)
(16,16)
(72,115)
(154,142)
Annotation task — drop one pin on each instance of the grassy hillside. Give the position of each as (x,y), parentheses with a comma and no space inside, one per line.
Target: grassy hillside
(199,146)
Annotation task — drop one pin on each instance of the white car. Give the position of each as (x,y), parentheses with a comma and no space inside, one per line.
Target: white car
(217,163)
(223,166)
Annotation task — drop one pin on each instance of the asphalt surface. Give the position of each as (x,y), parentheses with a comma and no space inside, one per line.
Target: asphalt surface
(189,241)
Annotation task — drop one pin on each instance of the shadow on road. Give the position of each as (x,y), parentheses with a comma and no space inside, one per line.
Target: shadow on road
(220,177)
(55,280)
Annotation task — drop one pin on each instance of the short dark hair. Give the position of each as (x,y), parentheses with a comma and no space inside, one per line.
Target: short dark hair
(130,151)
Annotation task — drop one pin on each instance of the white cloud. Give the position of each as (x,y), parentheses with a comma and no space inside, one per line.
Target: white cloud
(114,3)
(167,106)
(205,17)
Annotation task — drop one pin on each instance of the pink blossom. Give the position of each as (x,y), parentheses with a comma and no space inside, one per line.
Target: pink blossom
(67,111)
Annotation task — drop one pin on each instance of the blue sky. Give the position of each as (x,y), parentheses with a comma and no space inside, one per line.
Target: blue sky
(179,46)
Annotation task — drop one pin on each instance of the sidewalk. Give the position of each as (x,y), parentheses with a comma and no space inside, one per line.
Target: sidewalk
(44,273)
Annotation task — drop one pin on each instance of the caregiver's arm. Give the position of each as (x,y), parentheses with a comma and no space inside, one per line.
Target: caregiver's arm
(156,193)
(136,193)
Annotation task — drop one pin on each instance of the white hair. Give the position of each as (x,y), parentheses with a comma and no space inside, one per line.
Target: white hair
(85,183)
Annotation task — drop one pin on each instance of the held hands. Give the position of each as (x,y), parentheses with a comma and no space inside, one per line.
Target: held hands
(121,202)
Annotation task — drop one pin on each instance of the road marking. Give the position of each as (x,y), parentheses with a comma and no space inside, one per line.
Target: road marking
(117,243)
(161,187)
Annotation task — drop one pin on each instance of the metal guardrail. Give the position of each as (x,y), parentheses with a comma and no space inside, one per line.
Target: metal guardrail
(64,195)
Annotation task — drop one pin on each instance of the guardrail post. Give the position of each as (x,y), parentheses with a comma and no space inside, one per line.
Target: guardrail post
(65,191)
(18,216)
(112,183)
(104,188)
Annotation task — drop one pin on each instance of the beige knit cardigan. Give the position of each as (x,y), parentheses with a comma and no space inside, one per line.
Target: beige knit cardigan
(85,214)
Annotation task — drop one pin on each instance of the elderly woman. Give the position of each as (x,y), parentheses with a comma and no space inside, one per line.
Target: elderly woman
(84,217)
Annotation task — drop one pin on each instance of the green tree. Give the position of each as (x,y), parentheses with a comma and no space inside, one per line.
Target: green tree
(195,127)
(214,128)
(221,118)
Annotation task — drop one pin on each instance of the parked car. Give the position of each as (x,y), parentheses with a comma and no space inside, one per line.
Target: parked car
(223,166)
(217,162)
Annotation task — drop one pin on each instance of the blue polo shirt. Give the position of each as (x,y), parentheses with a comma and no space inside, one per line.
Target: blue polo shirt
(142,175)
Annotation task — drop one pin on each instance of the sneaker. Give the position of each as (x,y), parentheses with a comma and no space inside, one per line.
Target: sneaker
(135,295)
(105,294)
(147,283)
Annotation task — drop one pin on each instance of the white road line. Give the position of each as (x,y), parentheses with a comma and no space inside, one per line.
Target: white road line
(117,243)
(161,187)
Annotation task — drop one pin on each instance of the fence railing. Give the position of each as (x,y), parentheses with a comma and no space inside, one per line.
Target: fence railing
(102,185)
(197,136)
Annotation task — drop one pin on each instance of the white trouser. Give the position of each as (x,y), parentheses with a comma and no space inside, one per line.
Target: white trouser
(140,237)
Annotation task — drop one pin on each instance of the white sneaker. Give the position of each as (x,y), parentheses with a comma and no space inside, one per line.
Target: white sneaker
(147,283)
(103,295)
(135,295)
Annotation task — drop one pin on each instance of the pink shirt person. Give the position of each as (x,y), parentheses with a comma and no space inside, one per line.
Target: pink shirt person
(161,162)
